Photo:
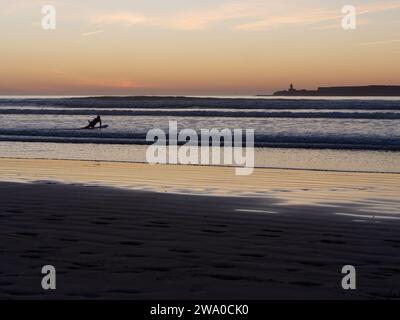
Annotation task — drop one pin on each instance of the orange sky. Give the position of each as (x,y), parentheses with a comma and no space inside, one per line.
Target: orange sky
(199,47)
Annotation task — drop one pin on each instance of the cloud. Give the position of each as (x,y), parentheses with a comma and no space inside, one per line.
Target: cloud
(360,22)
(201,19)
(124,18)
(383,42)
(311,17)
(88,34)
(242,15)
(14,7)
(295,19)
(198,19)
(189,20)
(378,7)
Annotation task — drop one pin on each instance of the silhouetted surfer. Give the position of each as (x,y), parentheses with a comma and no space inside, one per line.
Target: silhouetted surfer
(93,123)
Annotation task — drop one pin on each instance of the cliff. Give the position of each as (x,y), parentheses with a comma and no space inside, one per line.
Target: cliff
(363,91)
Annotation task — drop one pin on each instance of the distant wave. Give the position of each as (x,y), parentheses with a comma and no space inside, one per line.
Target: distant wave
(209,103)
(214,113)
(261,140)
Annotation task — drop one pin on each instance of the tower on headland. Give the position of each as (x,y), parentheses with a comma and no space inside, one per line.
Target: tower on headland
(350,91)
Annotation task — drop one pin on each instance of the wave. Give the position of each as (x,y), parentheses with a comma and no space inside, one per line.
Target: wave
(370,142)
(199,113)
(21,120)
(210,103)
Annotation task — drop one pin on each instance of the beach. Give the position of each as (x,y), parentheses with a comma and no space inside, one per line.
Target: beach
(136,231)
(226,152)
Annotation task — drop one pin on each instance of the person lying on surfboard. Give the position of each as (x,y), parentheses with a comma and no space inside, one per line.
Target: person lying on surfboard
(93,123)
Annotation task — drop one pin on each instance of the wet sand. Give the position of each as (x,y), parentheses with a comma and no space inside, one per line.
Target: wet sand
(113,231)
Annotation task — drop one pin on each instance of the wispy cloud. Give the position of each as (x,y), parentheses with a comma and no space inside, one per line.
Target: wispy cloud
(242,15)
(335,25)
(383,42)
(313,17)
(378,7)
(124,18)
(89,34)
(295,19)
(201,19)
(14,7)
(189,20)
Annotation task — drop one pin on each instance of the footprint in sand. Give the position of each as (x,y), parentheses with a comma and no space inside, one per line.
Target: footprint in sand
(159,269)
(27,234)
(68,240)
(53,219)
(332,235)
(268,235)
(306,284)
(31,256)
(161,226)
(131,243)
(133,255)
(217,225)
(312,263)
(101,223)
(213,231)
(393,241)
(108,218)
(224,265)
(332,241)
(88,253)
(272,230)
(180,250)
(15,211)
(252,255)
(122,291)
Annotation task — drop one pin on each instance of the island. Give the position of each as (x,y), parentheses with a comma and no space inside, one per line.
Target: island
(357,91)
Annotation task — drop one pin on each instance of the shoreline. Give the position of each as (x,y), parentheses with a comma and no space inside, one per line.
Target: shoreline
(293,186)
(277,158)
(204,165)
(258,145)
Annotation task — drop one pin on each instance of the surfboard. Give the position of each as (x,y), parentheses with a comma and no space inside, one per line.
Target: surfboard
(101,127)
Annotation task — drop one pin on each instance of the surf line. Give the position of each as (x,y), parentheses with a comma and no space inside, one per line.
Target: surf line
(215,147)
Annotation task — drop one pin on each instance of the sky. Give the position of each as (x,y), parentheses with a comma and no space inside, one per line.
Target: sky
(218,47)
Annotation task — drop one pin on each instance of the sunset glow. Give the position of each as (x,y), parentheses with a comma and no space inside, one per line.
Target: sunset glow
(195,47)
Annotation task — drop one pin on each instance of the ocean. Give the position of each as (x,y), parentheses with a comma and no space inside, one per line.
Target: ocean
(366,128)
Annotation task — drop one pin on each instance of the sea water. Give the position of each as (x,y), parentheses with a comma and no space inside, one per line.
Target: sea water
(357,134)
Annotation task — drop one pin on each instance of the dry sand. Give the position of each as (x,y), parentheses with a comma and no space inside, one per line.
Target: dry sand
(275,234)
